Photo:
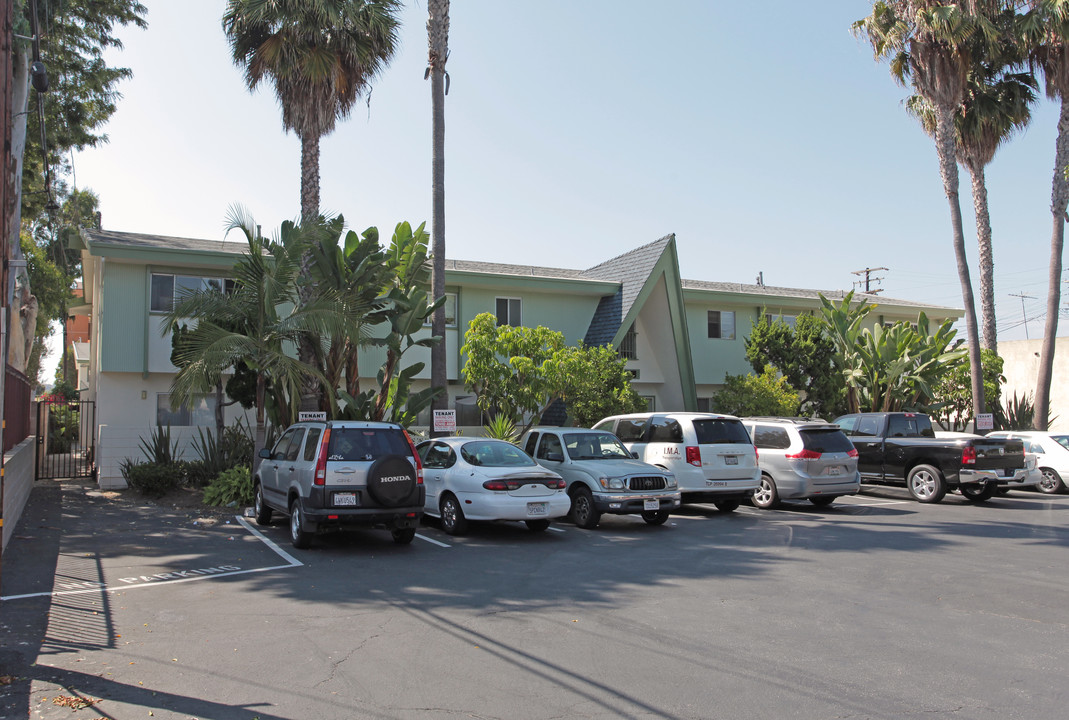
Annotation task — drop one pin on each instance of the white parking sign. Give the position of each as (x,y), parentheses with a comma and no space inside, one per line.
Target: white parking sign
(445,421)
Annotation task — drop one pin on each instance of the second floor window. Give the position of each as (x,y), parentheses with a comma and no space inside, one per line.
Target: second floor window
(166,290)
(629,345)
(508,311)
(722,324)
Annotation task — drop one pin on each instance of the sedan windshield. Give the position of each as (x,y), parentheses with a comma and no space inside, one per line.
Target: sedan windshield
(494,453)
(595,446)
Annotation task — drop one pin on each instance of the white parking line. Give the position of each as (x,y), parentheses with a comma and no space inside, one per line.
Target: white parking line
(556,529)
(432,541)
(79,587)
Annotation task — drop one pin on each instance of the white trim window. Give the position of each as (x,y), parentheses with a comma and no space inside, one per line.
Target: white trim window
(508,311)
(200,412)
(166,289)
(721,324)
(450,311)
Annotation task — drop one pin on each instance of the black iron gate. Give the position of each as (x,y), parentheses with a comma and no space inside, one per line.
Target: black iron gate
(66,432)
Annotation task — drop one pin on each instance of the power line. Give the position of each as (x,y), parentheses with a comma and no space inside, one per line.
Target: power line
(1023,313)
(869,280)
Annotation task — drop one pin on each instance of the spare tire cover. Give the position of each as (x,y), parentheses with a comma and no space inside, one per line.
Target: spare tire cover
(391,480)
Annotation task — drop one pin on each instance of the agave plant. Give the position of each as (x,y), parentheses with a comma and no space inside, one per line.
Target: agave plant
(501,427)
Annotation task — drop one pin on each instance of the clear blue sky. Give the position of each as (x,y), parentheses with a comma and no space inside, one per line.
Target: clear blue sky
(768,140)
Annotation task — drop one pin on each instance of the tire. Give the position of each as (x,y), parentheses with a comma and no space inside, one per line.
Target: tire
(926,484)
(767,496)
(584,513)
(391,481)
(537,525)
(1051,484)
(262,513)
(655,517)
(726,506)
(300,537)
(403,536)
(972,493)
(822,500)
(453,520)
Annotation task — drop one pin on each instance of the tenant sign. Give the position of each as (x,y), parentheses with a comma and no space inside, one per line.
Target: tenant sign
(445,421)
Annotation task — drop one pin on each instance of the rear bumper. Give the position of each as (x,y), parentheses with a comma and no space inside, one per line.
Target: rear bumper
(629,503)
(482,506)
(339,519)
(794,487)
(692,496)
(1019,478)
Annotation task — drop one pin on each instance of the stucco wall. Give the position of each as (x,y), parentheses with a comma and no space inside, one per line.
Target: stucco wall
(18,481)
(1021,358)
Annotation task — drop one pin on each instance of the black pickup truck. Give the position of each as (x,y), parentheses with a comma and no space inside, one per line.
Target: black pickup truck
(897,448)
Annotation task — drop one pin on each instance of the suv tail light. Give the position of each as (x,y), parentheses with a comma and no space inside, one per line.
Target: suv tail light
(968,455)
(694,456)
(415,456)
(321,460)
(804,454)
(852,452)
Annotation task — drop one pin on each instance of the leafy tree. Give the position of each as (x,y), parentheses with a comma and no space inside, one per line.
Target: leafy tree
(954,392)
(755,395)
(805,356)
(928,45)
(321,56)
(1046,32)
(997,104)
(594,382)
(437,55)
(512,370)
(843,324)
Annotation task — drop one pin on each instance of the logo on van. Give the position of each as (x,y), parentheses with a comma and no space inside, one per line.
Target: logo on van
(671,451)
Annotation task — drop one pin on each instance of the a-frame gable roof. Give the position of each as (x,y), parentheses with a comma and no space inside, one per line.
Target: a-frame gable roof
(632,270)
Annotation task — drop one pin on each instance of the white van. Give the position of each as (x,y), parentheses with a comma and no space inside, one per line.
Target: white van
(711,455)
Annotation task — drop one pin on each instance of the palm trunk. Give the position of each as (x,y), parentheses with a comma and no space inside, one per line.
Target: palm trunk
(948,169)
(1058,201)
(438,39)
(310,389)
(987,260)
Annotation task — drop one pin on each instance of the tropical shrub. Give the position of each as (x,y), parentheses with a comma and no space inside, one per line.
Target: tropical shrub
(64,424)
(501,427)
(231,487)
(153,479)
(764,394)
(159,448)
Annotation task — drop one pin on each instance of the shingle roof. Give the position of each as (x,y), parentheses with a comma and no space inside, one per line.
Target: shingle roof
(163,242)
(506,269)
(631,270)
(803,293)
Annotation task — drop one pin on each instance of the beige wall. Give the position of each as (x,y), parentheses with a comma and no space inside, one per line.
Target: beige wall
(18,481)
(1022,368)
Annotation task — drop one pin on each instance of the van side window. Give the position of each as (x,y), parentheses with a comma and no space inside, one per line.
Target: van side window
(665,430)
(772,438)
(631,430)
(605,425)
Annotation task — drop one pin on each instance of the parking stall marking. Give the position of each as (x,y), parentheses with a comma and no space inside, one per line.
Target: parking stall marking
(433,541)
(78,587)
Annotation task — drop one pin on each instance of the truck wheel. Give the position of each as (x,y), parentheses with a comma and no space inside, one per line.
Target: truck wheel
(979,493)
(403,536)
(584,513)
(300,537)
(767,496)
(926,484)
(726,506)
(1051,484)
(655,517)
(263,513)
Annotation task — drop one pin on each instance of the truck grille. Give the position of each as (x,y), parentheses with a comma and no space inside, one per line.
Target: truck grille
(652,482)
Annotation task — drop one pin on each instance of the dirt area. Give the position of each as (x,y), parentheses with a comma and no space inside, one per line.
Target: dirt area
(184,500)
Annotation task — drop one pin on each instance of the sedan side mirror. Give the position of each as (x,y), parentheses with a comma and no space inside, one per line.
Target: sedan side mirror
(265,453)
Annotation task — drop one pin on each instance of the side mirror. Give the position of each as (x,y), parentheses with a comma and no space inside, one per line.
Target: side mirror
(634,455)
(555,457)
(265,453)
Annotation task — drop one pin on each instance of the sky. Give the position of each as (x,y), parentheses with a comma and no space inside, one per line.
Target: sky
(767,140)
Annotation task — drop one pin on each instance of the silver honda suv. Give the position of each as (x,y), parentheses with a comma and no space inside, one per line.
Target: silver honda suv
(334,475)
(802,458)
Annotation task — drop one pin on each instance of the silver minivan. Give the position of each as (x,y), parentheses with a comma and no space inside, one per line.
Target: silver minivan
(802,459)
(336,475)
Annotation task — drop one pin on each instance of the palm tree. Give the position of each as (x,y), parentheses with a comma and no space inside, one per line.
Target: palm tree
(438,53)
(255,324)
(1046,32)
(321,55)
(997,104)
(928,45)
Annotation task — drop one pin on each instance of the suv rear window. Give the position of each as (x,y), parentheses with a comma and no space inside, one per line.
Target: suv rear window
(721,432)
(826,441)
(351,444)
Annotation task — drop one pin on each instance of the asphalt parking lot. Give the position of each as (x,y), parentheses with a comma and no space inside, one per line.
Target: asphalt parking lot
(876,607)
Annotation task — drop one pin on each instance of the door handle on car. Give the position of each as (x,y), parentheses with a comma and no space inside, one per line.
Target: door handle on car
(344,471)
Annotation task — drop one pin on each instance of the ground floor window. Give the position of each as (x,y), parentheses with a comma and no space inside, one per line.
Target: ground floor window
(201,411)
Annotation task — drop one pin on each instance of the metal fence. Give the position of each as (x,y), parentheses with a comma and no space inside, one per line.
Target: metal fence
(65,439)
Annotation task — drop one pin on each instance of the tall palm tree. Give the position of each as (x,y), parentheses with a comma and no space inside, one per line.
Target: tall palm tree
(1046,31)
(321,56)
(438,53)
(997,104)
(928,45)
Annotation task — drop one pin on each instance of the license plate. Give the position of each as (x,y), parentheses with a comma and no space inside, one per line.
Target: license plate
(651,504)
(345,499)
(731,459)
(835,470)
(537,508)
(716,483)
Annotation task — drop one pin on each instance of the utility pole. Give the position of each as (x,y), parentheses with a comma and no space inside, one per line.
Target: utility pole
(1024,314)
(869,280)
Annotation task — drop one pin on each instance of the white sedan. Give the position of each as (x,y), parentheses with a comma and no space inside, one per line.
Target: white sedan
(481,479)
(1052,453)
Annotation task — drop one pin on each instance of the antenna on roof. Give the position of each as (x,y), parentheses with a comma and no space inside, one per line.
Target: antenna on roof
(761,279)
